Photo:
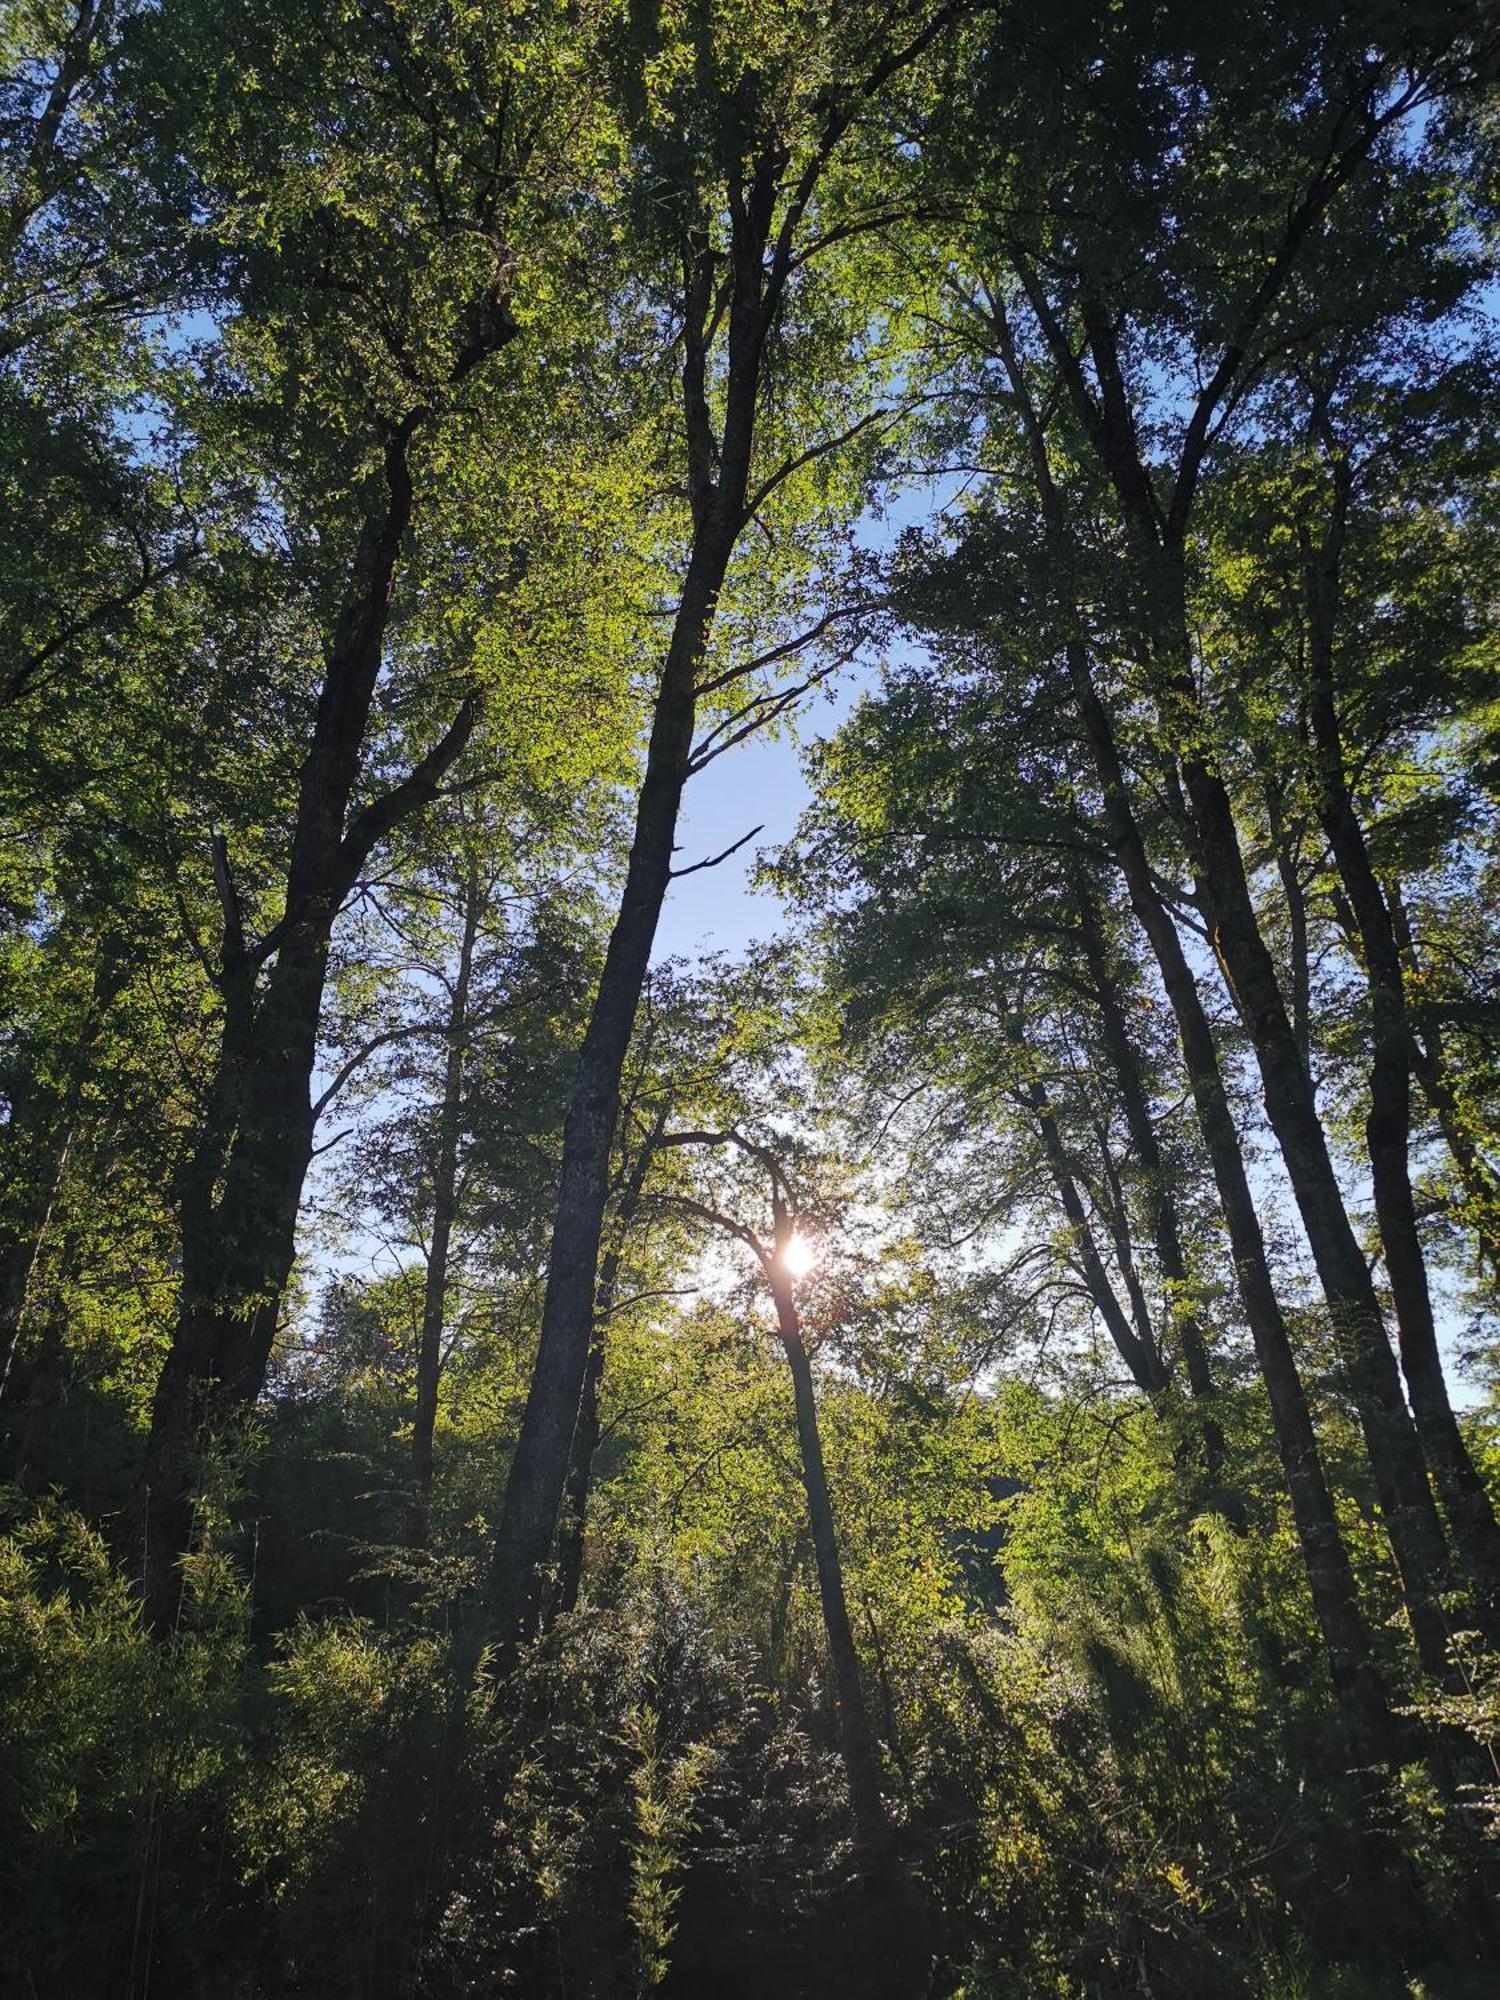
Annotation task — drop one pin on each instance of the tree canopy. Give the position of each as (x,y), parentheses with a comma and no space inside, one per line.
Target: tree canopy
(954,1451)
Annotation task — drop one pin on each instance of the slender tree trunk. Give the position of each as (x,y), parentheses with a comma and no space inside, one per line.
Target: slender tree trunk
(1395,1453)
(718,486)
(575,1508)
(1160,1199)
(574,1521)
(1115,1209)
(1388,1125)
(243,1189)
(444,1213)
(1429,1064)
(1367,1721)
(1138,1354)
(1295,898)
(538,1471)
(41,1133)
(1158,536)
(767,204)
(1369,1727)
(20,1248)
(857,1748)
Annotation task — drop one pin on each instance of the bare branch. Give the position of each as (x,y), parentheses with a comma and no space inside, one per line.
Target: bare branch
(419,788)
(677,874)
(713,1216)
(789,648)
(813,453)
(362,1055)
(755,715)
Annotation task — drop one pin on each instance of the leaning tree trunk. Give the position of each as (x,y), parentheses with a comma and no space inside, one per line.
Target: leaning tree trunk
(1136,1350)
(444,1214)
(1161,1202)
(1388,1125)
(1429,1062)
(1395,1453)
(768,203)
(21,1244)
(892,1923)
(574,1520)
(243,1187)
(1369,1727)
(1158,537)
(718,488)
(45,1123)
(1368,1724)
(538,1471)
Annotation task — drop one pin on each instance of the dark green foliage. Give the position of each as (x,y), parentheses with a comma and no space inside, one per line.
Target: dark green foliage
(430,432)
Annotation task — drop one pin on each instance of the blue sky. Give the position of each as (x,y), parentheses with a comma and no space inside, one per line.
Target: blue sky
(759,783)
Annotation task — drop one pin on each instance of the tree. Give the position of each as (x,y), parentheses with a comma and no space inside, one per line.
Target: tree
(1095,323)
(379,357)
(739,139)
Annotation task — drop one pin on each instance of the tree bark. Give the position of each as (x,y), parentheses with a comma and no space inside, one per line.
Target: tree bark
(1158,535)
(857,1749)
(538,1470)
(718,487)
(21,1246)
(1430,1067)
(243,1187)
(444,1214)
(40,1135)
(1465,1501)
(574,1521)
(1158,540)
(1395,1453)
(1369,1727)
(1294,896)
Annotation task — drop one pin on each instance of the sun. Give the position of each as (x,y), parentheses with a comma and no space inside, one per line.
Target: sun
(799,1257)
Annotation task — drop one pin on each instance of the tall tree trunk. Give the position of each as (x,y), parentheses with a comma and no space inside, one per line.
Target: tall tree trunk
(1108,1197)
(1388,1125)
(243,1188)
(21,1245)
(893,1921)
(574,1521)
(1158,539)
(739,288)
(857,1749)
(1294,896)
(538,1471)
(40,1138)
(1368,1724)
(1158,536)
(718,488)
(1395,1453)
(444,1213)
(1369,1727)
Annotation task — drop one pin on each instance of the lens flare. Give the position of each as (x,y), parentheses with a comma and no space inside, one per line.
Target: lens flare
(798,1257)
